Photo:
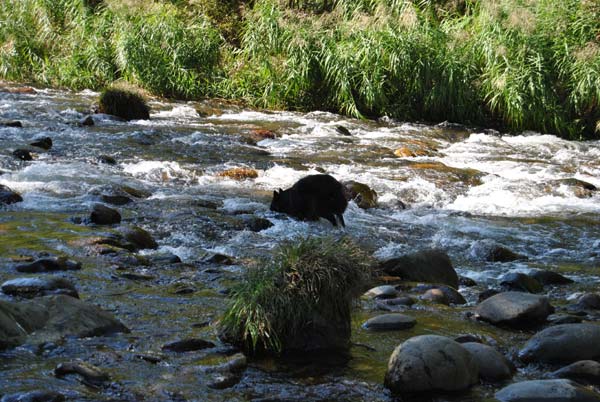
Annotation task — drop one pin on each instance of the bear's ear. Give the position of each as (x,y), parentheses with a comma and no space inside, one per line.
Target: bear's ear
(280,191)
(275,194)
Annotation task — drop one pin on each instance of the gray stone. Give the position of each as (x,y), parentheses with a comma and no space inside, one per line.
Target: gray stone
(34,396)
(7,196)
(388,322)
(493,366)
(546,391)
(139,237)
(382,292)
(583,371)
(34,287)
(444,295)
(49,265)
(102,215)
(515,309)
(557,319)
(433,266)
(564,343)
(550,278)
(589,301)
(430,363)
(90,374)
(42,142)
(520,282)
(188,345)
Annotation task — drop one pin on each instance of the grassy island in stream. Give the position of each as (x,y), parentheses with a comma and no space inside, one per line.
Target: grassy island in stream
(512,64)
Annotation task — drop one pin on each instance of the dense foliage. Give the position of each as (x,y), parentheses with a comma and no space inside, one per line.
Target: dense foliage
(514,64)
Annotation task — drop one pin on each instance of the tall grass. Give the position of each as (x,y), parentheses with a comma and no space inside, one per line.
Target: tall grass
(515,64)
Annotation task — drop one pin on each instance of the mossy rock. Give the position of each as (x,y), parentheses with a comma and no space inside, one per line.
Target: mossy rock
(363,195)
(123,103)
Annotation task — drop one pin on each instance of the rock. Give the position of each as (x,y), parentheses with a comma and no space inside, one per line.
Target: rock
(520,282)
(43,142)
(50,318)
(443,295)
(87,121)
(115,199)
(550,278)
(139,237)
(469,338)
(564,343)
(493,366)
(583,371)
(381,292)
(557,319)
(34,396)
(35,287)
(435,296)
(14,124)
(134,276)
(430,363)
(23,154)
(256,224)
(389,322)
(239,173)
(102,215)
(467,282)
(90,374)
(188,345)
(546,391)
(49,265)
(257,135)
(224,381)
(109,160)
(7,196)
(581,189)
(431,266)
(588,301)
(123,103)
(216,258)
(360,193)
(343,131)
(486,294)
(502,254)
(515,309)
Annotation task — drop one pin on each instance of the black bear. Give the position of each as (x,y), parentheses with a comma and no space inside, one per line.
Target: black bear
(312,197)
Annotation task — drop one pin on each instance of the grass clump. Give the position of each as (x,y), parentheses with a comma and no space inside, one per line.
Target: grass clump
(124,103)
(300,300)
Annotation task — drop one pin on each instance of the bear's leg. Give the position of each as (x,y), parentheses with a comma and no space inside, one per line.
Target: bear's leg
(331,218)
(340,219)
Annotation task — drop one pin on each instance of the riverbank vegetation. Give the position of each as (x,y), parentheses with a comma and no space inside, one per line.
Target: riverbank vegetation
(512,64)
(299,301)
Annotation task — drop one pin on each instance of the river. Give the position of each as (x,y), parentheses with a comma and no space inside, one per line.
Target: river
(441,186)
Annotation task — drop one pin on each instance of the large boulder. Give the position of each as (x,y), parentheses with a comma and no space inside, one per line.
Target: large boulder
(515,309)
(430,363)
(433,266)
(52,317)
(564,343)
(583,371)
(493,366)
(7,196)
(546,391)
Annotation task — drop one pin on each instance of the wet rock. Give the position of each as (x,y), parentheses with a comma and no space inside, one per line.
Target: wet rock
(49,265)
(486,294)
(257,135)
(493,365)
(102,215)
(396,304)
(469,338)
(588,301)
(239,173)
(389,322)
(256,224)
(50,318)
(139,237)
(442,294)
(34,396)
(7,196)
(520,282)
(466,281)
(165,258)
(430,363)
(583,371)
(90,374)
(135,192)
(87,121)
(42,142)
(431,266)
(115,199)
(224,381)
(557,319)
(343,131)
(360,193)
(188,345)
(489,250)
(550,278)
(36,287)
(435,296)
(134,276)
(23,154)
(381,292)
(546,391)
(216,258)
(564,343)
(14,124)
(123,103)
(109,160)
(515,309)
(581,189)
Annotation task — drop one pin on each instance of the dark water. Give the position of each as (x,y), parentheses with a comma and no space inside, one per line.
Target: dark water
(464,189)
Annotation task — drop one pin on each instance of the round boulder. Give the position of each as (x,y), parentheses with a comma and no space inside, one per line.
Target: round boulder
(546,391)
(430,363)
(493,366)
(515,309)
(564,343)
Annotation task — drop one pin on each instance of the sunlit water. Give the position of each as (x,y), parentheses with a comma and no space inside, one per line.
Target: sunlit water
(468,188)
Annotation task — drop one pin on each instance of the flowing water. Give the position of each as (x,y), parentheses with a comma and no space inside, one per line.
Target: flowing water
(463,189)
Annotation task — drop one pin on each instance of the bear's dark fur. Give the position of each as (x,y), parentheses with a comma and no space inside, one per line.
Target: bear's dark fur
(312,197)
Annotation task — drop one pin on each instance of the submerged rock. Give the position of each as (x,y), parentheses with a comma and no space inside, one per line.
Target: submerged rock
(34,396)
(493,365)
(49,265)
(43,142)
(583,371)
(360,193)
(7,196)
(430,363)
(343,131)
(433,266)
(188,345)
(389,322)
(139,238)
(87,121)
(546,391)
(89,373)
(520,282)
(564,343)
(515,309)
(14,124)
(35,287)
(109,160)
